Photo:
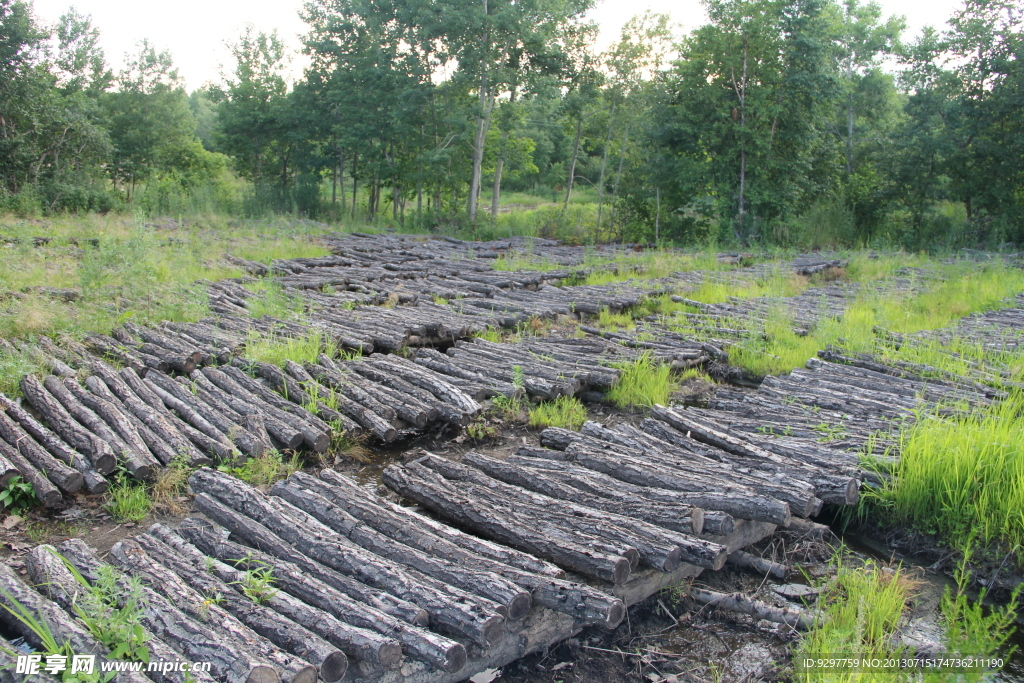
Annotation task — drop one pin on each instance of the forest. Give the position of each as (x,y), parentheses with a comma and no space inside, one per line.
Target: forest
(804,123)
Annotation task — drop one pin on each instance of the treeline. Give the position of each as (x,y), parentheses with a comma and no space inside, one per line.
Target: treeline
(778,122)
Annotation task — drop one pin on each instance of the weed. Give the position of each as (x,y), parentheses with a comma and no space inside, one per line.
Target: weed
(257,584)
(270,299)
(644,382)
(481,431)
(961,475)
(606,320)
(128,502)
(277,350)
(170,484)
(565,411)
(119,628)
(266,469)
(18,496)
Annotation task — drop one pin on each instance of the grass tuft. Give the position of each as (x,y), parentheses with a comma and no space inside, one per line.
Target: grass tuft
(129,502)
(266,469)
(565,411)
(277,350)
(643,383)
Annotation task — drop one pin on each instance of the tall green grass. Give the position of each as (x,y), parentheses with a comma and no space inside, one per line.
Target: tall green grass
(565,411)
(277,350)
(961,477)
(643,383)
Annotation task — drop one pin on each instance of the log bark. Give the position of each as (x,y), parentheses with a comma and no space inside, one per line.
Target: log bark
(198,430)
(94,481)
(303,580)
(288,436)
(758,564)
(478,581)
(137,457)
(457,612)
(63,627)
(45,491)
(160,422)
(581,602)
(67,479)
(685,519)
(741,505)
(193,639)
(51,576)
(443,500)
(266,619)
(189,407)
(738,602)
(98,451)
(658,547)
(236,635)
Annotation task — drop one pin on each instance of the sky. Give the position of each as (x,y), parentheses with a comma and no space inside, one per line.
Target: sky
(196,31)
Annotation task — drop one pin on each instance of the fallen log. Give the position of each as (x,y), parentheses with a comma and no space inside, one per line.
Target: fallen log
(63,627)
(658,547)
(45,491)
(93,447)
(49,572)
(483,582)
(203,434)
(581,602)
(738,602)
(193,639)
(449,503)
(66,479)
(455,611)
(758,564)
(484,548)
(263,615)
(741,505)
(235,635)
(303,580)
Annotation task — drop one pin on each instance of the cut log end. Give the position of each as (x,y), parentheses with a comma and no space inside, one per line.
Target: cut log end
(334,667)
(304,674)
(621,571)
(455,658)
(390,655)
(262,673)
(492,630)
(697,521)
(616,613)
(519,606)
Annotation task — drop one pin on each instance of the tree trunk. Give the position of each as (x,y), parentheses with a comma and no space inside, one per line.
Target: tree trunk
(604,163)
(572,162)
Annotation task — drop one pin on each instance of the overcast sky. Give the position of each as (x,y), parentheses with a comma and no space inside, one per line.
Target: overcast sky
(195,31)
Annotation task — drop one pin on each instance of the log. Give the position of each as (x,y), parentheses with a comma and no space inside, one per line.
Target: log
(685,519)
(479,581)
(94,481)
(351,390)
(265,618)
(298,580)
(445,501)
(136,455)
(193,639)
(278,401)
(658,547)
(63,627)
(758,564)
(51,576)
(93,447)
(67,479)
(738,602)
(189,407)
(455,611)
(478,546)
(314,437)
(157,421)
(581,602)
(198,430)
(235,635)
(45,491)
(159,447)
(288,436)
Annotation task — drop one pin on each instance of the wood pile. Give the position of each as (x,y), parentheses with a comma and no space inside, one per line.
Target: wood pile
(366,590)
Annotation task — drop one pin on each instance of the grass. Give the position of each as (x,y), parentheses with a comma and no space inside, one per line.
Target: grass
(132,270)
(277,350)
(616,322)
(961,477)
(565,411)
(861,607)
(266,469)
(129,502)
(643,383)
(271,300)
(861,611)
(170,484)
(779,284)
